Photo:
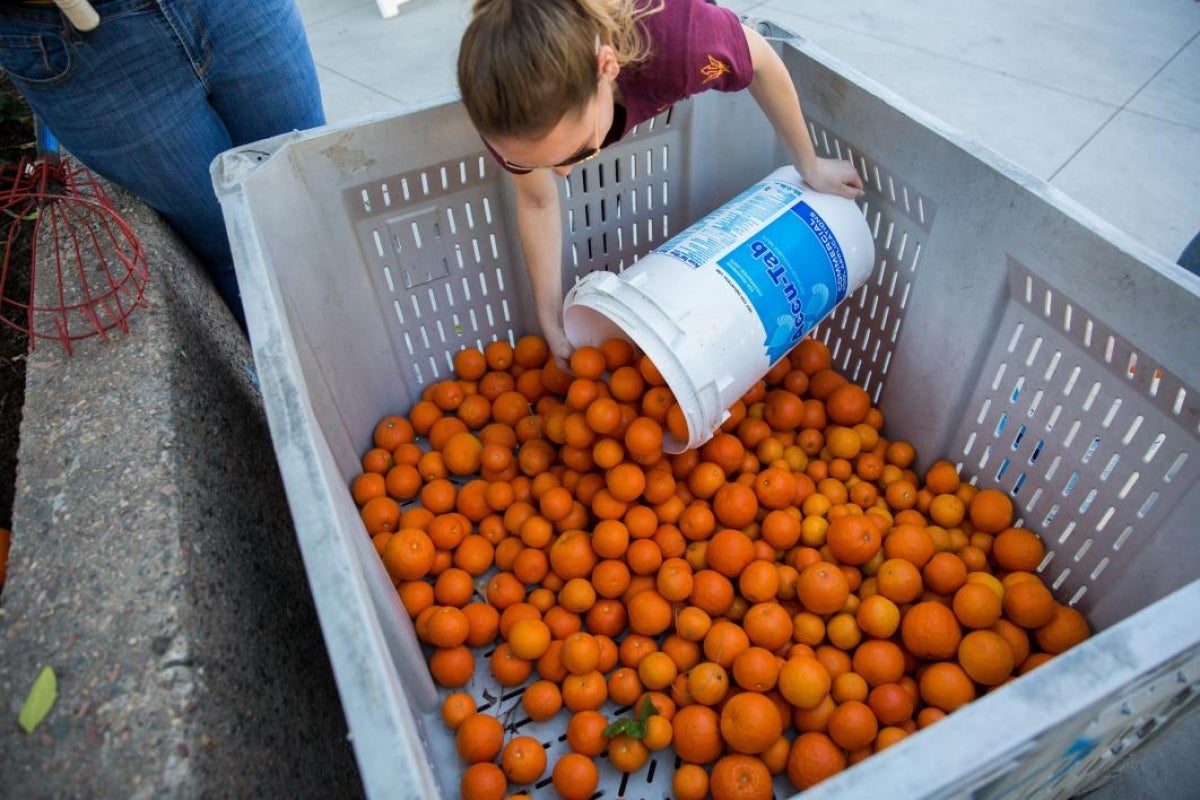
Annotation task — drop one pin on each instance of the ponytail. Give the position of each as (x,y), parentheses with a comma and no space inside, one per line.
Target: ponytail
(524,64)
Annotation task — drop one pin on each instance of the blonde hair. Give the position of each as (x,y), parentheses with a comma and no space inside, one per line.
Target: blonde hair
(524,64)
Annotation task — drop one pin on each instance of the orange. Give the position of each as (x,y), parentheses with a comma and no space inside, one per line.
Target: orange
(990,511)
(523,759)
(783,410)
(775,487)
(724,640)
(848,404)
(756,669)
(901,494)
(447,627)
(708,682)
(697,734)
(499,355)
(409,554)
(531,351)
(452,667)
(810,355)
(575,776)
(507,669)
(891,703)
(624,686)
(853,539)
(879,661)
(813,758)
(944,573)
(380,513)
(482,781)
(735,505)
(366,486)
(853,725)
(674,579)
(976,605)
(1018,550)
(1017,638)
(712,593)
(911,542)
(942,477)
(986,656)
(456,707)
(690,782)
(724,449)
(586,692)
(899,580)
(900,453)
(759,581)
(877,616)
(768,624)
(479,738)
(587,362)
(930,631)
(529,638)
(888,736)
(470,364)
(823,382)
(947,510)
(585,732)
(849,686)
(484,621)
(822,588)
(657,670)
(627,753)
(1029,604)
(643,437)
(541,700)
(804,681)
(750,722)
(946,686)
(626,384)
(580,653)
(740,777)
(392,431)
(649,613)
(625,481)
(1067,627)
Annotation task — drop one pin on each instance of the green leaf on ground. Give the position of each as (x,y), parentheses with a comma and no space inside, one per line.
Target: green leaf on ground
(40,700)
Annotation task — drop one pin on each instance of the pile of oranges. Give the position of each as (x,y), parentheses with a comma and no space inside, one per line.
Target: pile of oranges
(787,599)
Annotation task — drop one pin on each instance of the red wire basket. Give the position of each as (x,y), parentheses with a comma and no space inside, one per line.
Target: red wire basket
(86,269)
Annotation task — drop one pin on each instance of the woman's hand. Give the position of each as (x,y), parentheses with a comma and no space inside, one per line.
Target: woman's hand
(834,176)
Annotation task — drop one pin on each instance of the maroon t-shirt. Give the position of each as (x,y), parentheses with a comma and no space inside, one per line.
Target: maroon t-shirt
(694,47)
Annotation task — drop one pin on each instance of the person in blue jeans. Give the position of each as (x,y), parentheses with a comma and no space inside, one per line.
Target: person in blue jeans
(149,97)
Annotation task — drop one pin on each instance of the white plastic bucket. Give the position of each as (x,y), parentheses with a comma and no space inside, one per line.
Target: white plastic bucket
(720,303)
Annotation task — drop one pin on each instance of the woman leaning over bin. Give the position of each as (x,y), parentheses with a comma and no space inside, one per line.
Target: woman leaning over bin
(549,83)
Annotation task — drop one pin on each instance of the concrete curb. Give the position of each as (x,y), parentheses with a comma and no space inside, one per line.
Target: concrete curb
(155,568)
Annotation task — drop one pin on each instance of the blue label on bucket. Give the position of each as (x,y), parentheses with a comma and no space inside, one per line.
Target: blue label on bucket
(793,272)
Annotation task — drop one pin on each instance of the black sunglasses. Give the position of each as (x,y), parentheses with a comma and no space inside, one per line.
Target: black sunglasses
(586,154)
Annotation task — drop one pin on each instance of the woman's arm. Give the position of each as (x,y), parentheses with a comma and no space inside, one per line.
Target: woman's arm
(539,226)
(773,90)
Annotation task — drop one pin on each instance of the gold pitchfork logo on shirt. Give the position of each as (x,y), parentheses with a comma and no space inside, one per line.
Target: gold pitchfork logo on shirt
(714,69)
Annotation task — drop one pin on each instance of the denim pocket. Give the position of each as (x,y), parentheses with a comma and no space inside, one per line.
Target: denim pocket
(35,59)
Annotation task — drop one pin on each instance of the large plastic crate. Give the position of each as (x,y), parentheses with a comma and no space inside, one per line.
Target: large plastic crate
(1005,328)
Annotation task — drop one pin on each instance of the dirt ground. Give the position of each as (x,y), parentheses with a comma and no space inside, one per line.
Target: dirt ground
(16,139)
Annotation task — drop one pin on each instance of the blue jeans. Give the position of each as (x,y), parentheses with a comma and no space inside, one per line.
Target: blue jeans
(159,89)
